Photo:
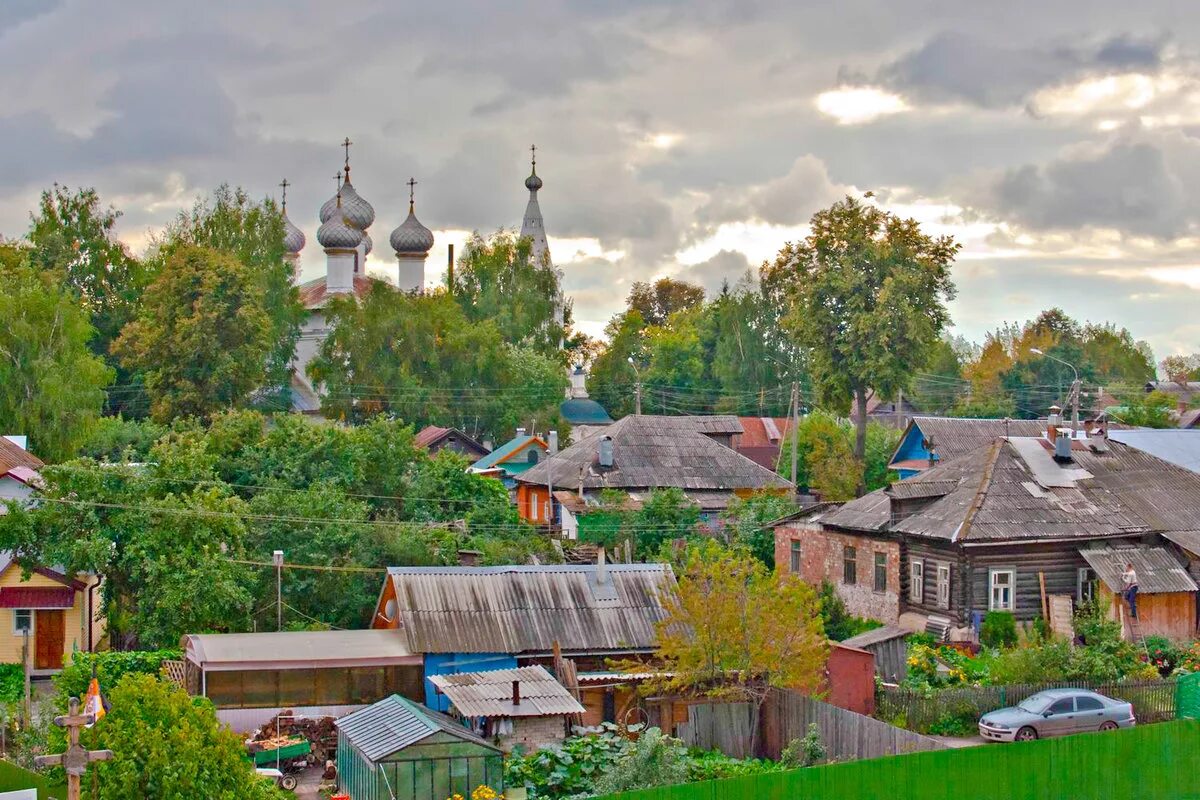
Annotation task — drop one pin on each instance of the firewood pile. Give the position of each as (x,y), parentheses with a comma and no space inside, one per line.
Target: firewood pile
(319,732)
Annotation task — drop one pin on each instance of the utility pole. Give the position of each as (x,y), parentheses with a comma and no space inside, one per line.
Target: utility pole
(277,558)
(795,430)
(637,387)
(76,758)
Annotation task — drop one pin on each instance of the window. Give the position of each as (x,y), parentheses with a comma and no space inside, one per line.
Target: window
(1064,706)
(916,581)
(22,621)
(881,572)
(1001,583)
(1085,703)
(1085,585)
(796,555)
(849,566)
(532,458)
(943,585)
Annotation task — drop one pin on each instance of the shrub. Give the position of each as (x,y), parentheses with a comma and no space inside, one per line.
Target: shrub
(1164,656)
(805,752)
(954,725)
(839,623)
(707,765)
(110,667)
(569,769)
(655,759)
(999,630)
(12,683)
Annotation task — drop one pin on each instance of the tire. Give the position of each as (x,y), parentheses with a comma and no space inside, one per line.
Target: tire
(1026,734)
(1109,726)
(288,782)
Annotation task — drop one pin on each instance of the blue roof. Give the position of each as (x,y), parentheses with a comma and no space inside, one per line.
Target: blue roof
(584,411)
(505,450)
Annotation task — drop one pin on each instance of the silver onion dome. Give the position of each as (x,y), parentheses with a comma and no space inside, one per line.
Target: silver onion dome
(533,182)
(411,237)
(367,243)
(293,237)
(359,213)
(336,232)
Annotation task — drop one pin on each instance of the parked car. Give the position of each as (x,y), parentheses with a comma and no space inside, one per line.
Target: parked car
(1056,712)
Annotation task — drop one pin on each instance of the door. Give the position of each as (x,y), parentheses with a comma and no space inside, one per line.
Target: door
(48,633)
(1090,713)
(1060,718)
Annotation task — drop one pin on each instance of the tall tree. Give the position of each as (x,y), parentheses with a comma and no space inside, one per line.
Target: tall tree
(657,301)
(613,376)
(868,290)
(203,335)
(51,383)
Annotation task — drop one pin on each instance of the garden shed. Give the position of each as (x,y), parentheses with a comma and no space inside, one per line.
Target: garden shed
(398,750)
(1166,592)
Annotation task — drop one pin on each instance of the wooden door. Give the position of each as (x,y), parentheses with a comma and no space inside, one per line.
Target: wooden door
(49,632)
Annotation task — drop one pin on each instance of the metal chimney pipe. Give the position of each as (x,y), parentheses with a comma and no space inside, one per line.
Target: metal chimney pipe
(516,694)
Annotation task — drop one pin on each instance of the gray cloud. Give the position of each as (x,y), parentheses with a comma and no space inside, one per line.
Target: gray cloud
(727,267)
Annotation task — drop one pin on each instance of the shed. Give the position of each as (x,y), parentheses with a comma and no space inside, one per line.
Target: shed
(524,706)
(889,645)
(1166,592)
(396,749)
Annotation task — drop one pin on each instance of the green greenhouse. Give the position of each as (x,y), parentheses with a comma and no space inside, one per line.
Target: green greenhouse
(399,749)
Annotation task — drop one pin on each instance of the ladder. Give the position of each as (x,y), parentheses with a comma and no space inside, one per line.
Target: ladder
(1135,630)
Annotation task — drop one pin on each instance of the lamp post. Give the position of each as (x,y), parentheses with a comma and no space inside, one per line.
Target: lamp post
(1075,385)
(277,560)
(637,374)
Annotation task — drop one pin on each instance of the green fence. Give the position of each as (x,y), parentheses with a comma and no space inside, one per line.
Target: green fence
(1157,762)
(1187,696)
(13,777)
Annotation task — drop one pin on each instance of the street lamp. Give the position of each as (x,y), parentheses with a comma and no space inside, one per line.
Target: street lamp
(1075,386)
(637,386)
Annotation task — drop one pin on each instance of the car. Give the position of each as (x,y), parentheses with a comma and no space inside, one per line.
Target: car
(1056,712)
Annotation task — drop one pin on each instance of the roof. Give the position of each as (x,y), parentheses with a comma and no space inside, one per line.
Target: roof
(876,636)
(13,456)
(1188,540)
(490,694)
(763,431)
(526,609)
(507,450)
(1190,418)
(303,648)
(1173,387)
(36,597)
(1013,490)
(1158,572)
(1181,447)
(655,452)
(313,294)
(584,411)
(304,399)
(956,436)
(432,434)
(394,723)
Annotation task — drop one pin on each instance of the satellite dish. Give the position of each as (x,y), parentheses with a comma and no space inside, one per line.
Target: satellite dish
(389,609)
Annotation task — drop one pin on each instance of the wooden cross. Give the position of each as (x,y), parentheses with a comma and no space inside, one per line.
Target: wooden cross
(284,184)
(76,758)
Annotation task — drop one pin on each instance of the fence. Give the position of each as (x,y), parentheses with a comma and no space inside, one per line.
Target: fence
(718,726)
(1153,701)
(847,736)
(1151,763)
(13,777)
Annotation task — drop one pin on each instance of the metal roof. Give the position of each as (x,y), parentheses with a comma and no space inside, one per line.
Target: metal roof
(507,450)
(304,648)
(526,609)
(394,723)
(1188,540)
(583,411)
(490,694)
(1181,447)
(1158,572)
(37,597)
(13,456)
(877,635)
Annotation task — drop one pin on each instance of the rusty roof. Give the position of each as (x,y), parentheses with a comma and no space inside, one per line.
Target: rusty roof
(13,456)
(490,694)
(314,293)
(526,609)
(1158,572)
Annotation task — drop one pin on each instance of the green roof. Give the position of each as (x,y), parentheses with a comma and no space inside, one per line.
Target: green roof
(584,411)
(492,460)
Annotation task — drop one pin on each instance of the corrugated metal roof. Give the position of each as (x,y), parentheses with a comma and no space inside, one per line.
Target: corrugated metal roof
(394,723)
(1188,540)
(213,649)
(13,456)
(520,609)
(1157,570)
(36,597)
(506,450)
(1181,447)
(490,694)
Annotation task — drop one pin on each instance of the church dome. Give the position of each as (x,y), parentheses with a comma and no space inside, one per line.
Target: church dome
(293,237)
(533,182)
(358,212)
(411,237)
(336,232)
(368,243)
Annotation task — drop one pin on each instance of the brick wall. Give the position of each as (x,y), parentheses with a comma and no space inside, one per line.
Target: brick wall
(534,732)
(821,558)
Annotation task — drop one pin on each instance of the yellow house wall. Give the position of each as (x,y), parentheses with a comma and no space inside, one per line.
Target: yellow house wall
(74,619)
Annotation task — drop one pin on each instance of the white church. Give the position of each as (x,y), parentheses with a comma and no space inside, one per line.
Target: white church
(345,218)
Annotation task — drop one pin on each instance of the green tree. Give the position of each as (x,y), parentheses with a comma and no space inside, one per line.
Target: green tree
(168,745)
(613,377)
(668,514)
(1147,410)
(745,519)
(444,490)
(825,461)
(657,301)
(203,335)
(51,383)
(496,280)
(868,290)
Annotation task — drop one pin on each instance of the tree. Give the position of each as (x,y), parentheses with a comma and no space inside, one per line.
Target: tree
(51,383)
(745,519)
(613,377)
(1181,369)
(444,490)
(203,335)
(497,280)
(167,745)
(868,291)
(657,301)
(736,630)
(1147,410)
(667,515)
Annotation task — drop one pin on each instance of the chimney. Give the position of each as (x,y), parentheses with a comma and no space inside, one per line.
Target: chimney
(578,382)
(1088,426)
(605,451)
(1053,423)
(552,442)
(1062,447)
(520,431)
(516,693)
(601,567)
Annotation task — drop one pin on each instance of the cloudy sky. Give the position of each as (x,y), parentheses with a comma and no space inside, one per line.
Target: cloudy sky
(1056,141)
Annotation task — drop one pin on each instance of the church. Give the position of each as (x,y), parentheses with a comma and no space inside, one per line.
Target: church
(345,220)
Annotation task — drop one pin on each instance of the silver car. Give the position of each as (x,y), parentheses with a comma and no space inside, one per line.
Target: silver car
(1056,712)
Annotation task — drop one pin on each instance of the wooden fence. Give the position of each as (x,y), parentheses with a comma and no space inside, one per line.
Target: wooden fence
(718,726)
(1153,701)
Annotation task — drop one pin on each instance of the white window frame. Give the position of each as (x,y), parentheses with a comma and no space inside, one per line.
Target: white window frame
(943,584)
(1011,586)
(32,617)
(916,581)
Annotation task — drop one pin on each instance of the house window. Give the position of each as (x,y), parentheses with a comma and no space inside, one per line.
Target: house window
(795,553)
(881,572)
(532,458)
(22,621)
(1085,585)
(916,581)
(849,565)
(1001,583)
(943,585)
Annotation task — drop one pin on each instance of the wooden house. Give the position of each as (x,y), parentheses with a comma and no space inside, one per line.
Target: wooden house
(435,439)
(519,454)
(60,614)
(1166,597)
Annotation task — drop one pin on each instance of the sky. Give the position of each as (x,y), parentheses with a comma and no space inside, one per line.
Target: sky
(1056,141)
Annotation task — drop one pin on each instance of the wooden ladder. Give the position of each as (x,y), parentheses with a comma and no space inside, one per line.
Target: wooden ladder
(1135,631)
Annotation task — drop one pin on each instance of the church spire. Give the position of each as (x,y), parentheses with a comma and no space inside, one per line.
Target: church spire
(532,225)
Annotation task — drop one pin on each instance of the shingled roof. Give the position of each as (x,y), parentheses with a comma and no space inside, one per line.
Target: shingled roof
(658,452)
(1013,490)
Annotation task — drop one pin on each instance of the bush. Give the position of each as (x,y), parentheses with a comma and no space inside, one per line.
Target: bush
(655,759)
(110,668)
(839,623)
(1164,656)
(805,752)
(12,683)
(954,725)
(569,769)
(999,630)
(707,765)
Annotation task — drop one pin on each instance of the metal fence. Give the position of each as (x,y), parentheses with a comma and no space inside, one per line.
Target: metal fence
(1153,701)
(1152,763)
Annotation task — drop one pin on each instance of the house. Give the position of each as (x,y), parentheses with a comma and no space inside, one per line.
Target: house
(61,614)
(1166,592)
(583,414)
(473,619)
(761,439)
(434,439)
(928,440)
(641,453)
(523,452)
(396,748)
(19,470)
(250,677)
(525,706)
(995,530)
